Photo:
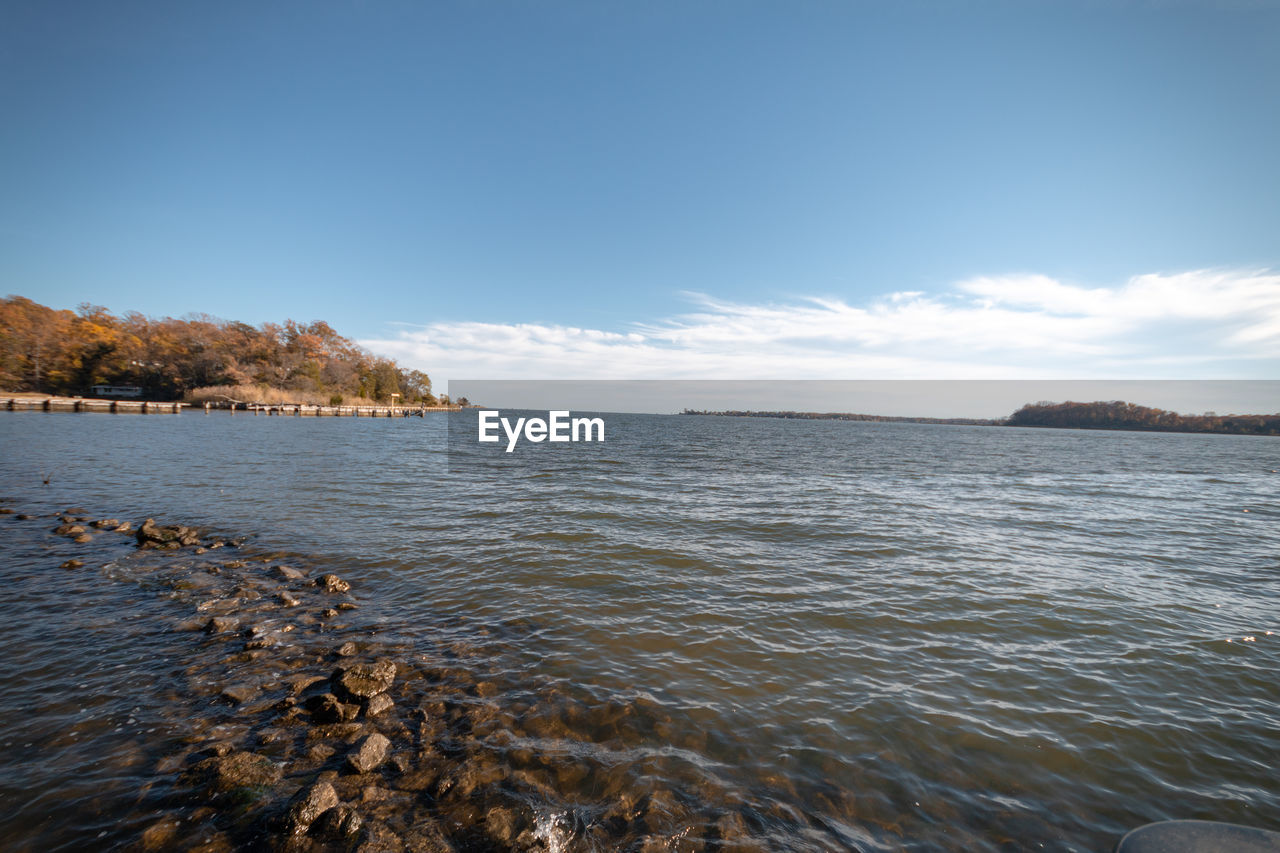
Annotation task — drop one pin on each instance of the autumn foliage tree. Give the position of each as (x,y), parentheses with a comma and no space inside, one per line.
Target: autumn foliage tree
(64,352)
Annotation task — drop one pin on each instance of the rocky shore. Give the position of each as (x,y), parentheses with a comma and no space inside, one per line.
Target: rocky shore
(305,732)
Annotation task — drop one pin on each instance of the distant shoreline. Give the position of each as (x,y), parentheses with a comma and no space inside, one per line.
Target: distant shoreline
(1112,415)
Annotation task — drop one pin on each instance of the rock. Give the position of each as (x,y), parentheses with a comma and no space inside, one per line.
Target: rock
(287,600)
(308,804)
(72,564)
(237,770)
(161,835)
(346,650)
(4,510)
(238,695)
(332,583)
(221,625)
(328,613)
(370,754)
(363,680)
(378,838)
(124,528)
(104,523)
(378,704)
(347,605)
(152,535)
(338,823)
(82,539)
(503,824)
(299,683)
(68,530)
(287,573)
(325,708)
(22,516)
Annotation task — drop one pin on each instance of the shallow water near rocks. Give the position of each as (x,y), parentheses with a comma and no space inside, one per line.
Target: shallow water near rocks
(704,633)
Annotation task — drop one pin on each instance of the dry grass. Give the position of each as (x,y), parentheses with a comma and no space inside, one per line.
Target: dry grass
(262,394)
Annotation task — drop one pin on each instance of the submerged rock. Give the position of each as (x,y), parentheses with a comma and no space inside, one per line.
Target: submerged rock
(364,680)
(235,770)
(308,804)
(68,530)
(287,573)
(325,708)
(72,564)
(221,625)
(338,823)
(370,754)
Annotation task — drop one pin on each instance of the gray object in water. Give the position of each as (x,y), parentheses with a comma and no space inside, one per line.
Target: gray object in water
(1198,836)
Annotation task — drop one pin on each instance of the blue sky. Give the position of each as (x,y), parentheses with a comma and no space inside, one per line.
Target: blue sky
(613,190)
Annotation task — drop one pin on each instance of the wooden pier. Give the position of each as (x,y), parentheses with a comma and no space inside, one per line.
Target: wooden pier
(140,407)
(81,404)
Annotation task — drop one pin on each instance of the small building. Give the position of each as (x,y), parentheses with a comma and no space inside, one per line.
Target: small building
(117,391)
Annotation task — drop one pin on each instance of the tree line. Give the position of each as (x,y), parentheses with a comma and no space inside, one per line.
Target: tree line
(1117,414)
(52,351)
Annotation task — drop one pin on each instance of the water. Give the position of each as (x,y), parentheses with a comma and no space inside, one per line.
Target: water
(845,636)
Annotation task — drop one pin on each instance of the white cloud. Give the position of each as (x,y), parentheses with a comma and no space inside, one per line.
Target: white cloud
(1201,324)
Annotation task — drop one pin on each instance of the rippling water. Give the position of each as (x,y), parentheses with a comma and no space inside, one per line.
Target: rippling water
(871,636)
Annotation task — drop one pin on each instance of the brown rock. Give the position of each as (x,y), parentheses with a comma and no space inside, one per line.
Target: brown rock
(332,583)
(72,564)
(152,535)
(221,625)
(236,770)
(363,680)
(370,754)
(325,708)
(82,539)
(238,695)
(338,823)
(308,804)
(287,600)
(104,523)
(287,573)
(68,530)
(379,704)
(346,650)
(161,835)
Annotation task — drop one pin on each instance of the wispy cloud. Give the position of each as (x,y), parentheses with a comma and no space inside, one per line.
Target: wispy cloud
(1200,324)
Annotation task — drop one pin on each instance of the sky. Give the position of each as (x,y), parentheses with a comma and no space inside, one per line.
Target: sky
(698,189)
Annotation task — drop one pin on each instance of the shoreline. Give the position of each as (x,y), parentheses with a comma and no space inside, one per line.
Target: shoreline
(304,731)
(54,403)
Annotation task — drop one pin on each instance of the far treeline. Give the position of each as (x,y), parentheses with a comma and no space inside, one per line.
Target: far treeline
(198,358)
(1115,414)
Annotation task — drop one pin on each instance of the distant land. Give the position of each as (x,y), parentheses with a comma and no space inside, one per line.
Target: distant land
(1113,414)
(195,359)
